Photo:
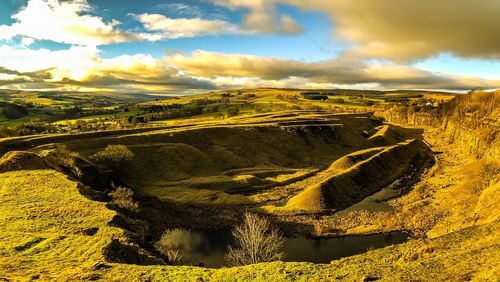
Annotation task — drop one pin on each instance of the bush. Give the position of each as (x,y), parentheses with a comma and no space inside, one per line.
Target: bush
(231,112)
(64,158)
(256,241)
(424,220)
(169,245)
(123,197)
(249,96)
(12,111)
(315,97)
(113,155)
(219,116)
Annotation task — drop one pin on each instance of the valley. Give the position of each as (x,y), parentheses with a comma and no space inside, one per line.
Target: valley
(423,167)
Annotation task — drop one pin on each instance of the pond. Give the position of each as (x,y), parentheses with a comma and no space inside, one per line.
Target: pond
(209,247)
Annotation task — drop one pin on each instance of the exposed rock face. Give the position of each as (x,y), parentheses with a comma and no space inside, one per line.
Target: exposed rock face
(19,160)
(470,121)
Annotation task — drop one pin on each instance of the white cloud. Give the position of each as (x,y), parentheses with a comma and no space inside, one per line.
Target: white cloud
(246,70)
(182,9)
(65,22)
(182,27)
(71,61)
(79,68)
(403,30)
(7,76)
(26,41)
(263,17)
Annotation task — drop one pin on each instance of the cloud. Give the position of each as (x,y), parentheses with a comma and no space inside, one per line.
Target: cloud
(182,27)
(237,69)
(399,30)
(73,61)
(263,17)
(141,70)
(65,22)
(259,21)
(45,69)
(182,9)
(408,30)
(23,68)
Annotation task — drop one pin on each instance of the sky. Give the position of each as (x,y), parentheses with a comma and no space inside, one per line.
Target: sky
(185,47)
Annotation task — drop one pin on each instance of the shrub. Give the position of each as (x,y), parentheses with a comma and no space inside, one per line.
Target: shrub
(490,173)
(113,155)
(424,220)
(64,158)
(13,111)
(169,245)
(315,97)
(256,241)
(219,116)
(231,112)
(123,197)
(249,96)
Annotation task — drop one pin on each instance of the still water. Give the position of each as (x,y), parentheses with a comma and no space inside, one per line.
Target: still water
(209,247)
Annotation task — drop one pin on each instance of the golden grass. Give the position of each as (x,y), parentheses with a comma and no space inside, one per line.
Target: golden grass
(44,220)
(340,188)
(42,239)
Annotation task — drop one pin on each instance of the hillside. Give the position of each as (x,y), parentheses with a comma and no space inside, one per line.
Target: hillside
(52,232)
(315,168)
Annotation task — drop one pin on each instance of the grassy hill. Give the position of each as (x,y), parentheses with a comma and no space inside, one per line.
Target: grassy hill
(51,232)
(433,171)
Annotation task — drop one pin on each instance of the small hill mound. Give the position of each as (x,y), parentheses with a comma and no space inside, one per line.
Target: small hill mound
(348,186)
(390,135)
(350,160)
(19,160)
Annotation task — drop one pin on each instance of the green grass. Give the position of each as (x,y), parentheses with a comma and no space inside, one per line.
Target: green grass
(43,223)
(26,119)
(99,117)
(44,216)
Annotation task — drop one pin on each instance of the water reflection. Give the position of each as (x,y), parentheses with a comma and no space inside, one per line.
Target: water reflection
(326,250)
(209,247)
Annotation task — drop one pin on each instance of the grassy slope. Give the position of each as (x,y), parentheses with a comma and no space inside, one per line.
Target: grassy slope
(44,204)
(45,216)
(44,219)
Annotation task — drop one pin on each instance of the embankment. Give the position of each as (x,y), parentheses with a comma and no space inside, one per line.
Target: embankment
(362,179)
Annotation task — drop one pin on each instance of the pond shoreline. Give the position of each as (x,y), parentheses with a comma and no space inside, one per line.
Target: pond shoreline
(208,248)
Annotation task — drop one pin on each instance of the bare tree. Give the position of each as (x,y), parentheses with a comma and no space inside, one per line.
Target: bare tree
(256,241)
